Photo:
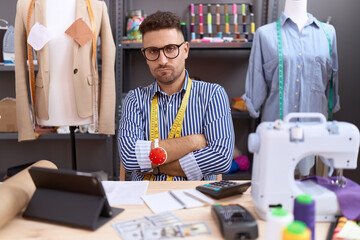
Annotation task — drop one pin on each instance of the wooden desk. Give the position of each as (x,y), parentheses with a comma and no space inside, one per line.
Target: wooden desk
(20,228)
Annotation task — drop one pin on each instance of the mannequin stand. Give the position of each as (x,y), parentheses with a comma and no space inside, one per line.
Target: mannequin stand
(73,147)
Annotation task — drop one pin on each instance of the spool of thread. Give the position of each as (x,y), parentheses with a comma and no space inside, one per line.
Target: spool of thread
(184,30)
(83,128)
(276,221)
(296,230)
(340,224)
(304,211)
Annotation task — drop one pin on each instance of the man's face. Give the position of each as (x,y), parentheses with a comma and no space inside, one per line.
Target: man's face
(165,70)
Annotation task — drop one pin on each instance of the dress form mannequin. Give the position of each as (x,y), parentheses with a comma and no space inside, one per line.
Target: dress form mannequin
(88,96)
(309,70)
(62,107)
(297,11)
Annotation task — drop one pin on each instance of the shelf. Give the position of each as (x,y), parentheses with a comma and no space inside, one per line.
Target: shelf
(10,68)
(222,46)
(9,136)
(213,46)
(238,114)
(239,175)
(7,68)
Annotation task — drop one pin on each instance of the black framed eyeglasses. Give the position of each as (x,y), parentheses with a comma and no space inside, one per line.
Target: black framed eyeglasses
(170,51)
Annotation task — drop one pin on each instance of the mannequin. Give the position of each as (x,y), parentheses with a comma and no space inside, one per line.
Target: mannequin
(297,11)
(62,107)
(67,74)
(308,68)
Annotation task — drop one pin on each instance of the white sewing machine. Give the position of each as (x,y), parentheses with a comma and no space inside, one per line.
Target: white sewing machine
(278,147)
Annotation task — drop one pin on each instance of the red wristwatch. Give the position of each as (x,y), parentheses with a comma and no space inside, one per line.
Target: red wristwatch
(157,155)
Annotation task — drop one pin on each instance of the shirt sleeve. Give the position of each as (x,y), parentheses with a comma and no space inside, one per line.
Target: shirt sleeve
(190,167)
(219,133)
(334,72)
(255,85)
(133,149)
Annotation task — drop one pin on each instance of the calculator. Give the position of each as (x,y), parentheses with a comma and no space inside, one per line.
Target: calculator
(224,188)
(235,221)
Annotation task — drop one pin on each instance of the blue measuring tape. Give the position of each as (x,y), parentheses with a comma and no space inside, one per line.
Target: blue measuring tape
(281,70)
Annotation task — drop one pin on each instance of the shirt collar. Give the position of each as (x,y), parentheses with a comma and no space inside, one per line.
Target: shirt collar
(156,87)
(311,19)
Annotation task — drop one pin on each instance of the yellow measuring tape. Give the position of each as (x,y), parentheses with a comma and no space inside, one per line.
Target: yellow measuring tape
(95,85)
(176,127)
(31,58)
(93,27)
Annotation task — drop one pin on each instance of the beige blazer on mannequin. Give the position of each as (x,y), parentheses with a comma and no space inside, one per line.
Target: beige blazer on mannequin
(82,65)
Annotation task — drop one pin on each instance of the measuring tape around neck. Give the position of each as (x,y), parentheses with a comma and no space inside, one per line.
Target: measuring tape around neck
(281,70)
(31,60)
(177,125)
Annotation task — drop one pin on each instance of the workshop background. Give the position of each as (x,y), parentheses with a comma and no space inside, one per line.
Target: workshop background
(344,17)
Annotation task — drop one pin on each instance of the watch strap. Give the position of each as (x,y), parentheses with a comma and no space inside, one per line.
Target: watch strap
(156,143)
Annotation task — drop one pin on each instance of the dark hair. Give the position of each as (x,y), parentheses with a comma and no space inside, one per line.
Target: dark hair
(160,20)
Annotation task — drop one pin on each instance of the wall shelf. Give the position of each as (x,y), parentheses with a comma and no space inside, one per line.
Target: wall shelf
(238,114)
(88,136)
(10,68)
(239,175)
(5,68)
(205,46)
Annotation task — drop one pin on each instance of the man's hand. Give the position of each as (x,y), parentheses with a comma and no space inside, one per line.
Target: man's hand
(172,169)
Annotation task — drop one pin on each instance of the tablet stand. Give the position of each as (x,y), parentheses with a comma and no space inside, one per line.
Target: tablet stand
(69,208)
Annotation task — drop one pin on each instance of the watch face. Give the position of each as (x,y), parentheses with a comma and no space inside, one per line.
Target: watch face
(156,171)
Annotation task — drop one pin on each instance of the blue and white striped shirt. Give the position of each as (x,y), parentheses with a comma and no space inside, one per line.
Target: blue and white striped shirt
(208,112)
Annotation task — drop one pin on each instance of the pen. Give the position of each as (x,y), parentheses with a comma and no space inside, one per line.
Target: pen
(209,20)
(177,199)
(227,27)
(196,198)
(218,18)
(192,25)
(201,21)
(234,11)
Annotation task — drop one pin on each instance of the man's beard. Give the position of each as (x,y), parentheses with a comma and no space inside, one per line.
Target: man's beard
(167,77)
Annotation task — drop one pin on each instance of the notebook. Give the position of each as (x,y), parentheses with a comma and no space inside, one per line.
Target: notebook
(176,199)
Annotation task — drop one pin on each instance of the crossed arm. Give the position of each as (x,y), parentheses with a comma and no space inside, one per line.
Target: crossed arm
(177,148)
(194,155)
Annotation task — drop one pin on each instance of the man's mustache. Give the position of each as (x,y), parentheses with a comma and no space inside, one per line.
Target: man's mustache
(163,67)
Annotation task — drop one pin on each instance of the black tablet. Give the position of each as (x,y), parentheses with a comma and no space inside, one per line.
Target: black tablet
(69,197)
